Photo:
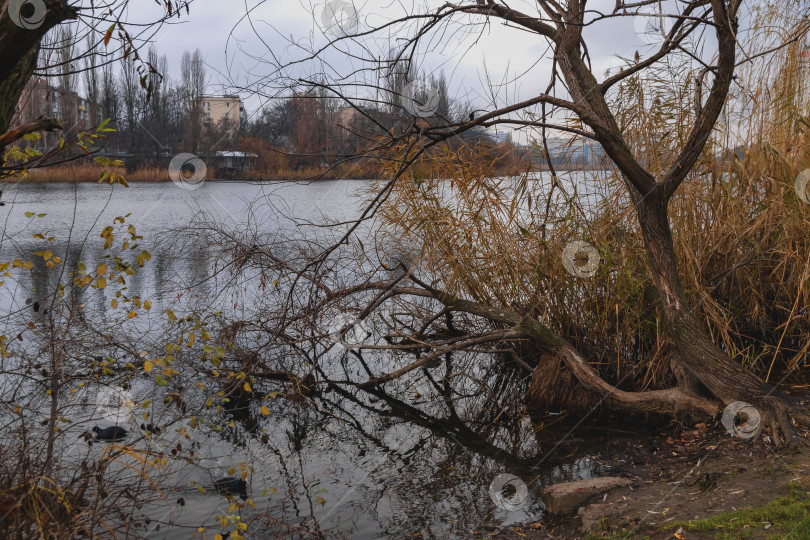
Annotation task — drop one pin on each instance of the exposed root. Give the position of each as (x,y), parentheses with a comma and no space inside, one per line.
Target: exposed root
(777,414)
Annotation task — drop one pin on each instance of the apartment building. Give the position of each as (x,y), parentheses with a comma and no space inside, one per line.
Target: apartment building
(227,109)
(42,99)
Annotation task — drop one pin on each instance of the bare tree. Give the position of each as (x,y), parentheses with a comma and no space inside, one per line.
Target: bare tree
(92,86)
(68,75)
(580,103)
(192,89)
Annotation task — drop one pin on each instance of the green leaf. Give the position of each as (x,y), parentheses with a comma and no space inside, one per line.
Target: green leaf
(160,381)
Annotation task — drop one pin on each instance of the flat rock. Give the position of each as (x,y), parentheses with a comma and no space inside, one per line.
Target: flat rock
(567,497)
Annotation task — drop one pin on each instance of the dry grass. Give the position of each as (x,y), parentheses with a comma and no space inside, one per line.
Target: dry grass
(741,231)
(90,173)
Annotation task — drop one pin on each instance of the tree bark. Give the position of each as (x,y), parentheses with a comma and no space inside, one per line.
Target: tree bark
(20,48)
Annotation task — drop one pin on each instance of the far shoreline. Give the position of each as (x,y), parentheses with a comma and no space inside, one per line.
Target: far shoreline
(65,176)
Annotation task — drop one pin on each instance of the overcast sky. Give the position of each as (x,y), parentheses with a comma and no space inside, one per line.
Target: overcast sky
(241,51)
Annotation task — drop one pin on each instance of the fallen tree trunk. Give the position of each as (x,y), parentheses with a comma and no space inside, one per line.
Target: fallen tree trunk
(668,401)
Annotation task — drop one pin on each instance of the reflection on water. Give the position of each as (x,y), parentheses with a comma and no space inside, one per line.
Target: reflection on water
(415,460)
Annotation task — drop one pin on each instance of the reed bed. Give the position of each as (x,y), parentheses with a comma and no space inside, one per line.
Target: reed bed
(92,173)
(741,229)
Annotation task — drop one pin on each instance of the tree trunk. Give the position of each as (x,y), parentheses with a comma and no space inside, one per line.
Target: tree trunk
(725,378)
(20,48)
(11,88)
(670,401)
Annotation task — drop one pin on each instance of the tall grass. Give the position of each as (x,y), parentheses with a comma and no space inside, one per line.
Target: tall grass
(90,173)
(86,172)
(741,231)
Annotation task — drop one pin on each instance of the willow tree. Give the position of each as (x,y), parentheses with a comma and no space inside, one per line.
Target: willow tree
(700,35)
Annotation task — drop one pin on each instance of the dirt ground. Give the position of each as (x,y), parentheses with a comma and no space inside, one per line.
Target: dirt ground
(696,475)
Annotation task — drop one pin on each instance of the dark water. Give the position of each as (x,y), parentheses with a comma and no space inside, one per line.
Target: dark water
(414,461)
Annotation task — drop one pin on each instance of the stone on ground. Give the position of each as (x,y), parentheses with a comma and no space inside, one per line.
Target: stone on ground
(567,497)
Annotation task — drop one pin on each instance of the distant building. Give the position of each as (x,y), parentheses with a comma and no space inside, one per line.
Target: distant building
(569,151)
(40,99)
(233,162)
(223,110)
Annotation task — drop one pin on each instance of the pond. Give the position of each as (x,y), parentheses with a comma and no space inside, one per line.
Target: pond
(411,461)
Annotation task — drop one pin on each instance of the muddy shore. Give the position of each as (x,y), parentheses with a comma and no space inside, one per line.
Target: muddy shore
(697,484)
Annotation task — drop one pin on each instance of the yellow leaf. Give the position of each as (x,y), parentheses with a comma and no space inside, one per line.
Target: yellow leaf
(232,470)
(172,316)
(190,339)
(147,304)
(265,411)
(114,303)
(102,269)
(57,260)
(102,283)
(147,366)
(28,265)
(246,386)
(217,537)
(132,315)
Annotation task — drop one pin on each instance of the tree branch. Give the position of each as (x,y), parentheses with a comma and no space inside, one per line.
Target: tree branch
(707,115)
(40,124)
